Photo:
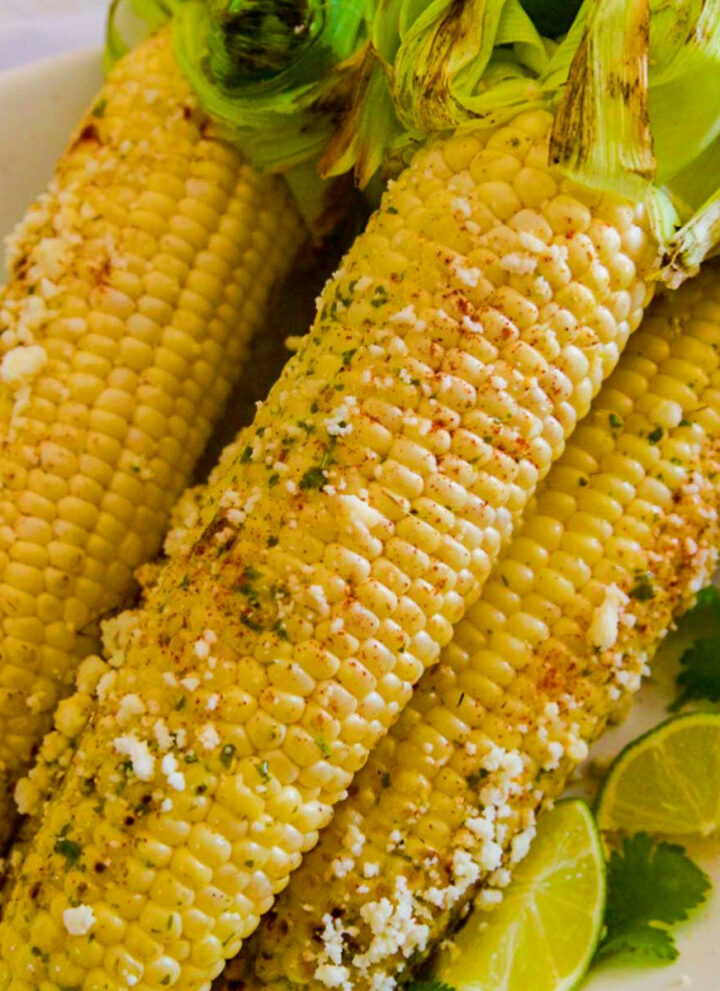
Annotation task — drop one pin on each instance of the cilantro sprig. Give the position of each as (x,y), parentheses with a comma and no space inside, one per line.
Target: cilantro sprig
(699,677)
(650,886)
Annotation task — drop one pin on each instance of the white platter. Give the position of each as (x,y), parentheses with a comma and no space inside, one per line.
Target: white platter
(39,106)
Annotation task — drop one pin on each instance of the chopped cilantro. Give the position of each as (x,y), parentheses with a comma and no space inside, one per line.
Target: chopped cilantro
(226,754)
(656,435)
(323,745)
(643,590)
(347,356)
(184,583)
(616,422)
(650,886)
(246,455)
(280,631)
(475,777)
(250,623)
(699,676)
(263,770)
(380,297)
(314,478)
(99,109)
(430,984)
(68,849)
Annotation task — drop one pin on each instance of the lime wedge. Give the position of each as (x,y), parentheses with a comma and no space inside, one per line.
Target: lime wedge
(667,781)
(544,933)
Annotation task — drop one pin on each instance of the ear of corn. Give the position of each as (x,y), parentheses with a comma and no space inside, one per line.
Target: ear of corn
(621,537)
(467,330)
(136,282)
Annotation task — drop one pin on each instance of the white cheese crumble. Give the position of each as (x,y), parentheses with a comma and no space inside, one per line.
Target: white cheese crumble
(468,276)
(22,363)
(461,206)
(162,735)
(604,626)
(339,424)
(209,737)
(201,649)
(521,844)
(78,921)
(394,927)
(518,263)
(175,778)
(143,762)
(130,705)
(330,970)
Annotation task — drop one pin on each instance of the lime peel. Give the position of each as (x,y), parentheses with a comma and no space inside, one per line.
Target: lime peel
(666,782)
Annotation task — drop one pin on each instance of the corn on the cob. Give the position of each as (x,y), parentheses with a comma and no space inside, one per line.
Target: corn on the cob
(622,535)
(136,282)
(376,487)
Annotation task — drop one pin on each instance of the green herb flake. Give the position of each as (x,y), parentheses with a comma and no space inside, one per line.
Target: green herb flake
(314,478)
(280,631)
(250,623)
(475,777)
(347,356)
(643,589)
(656,435)
(246,455)
(323,746)
(380,297)
(263,770)
(69,849)
(226,754)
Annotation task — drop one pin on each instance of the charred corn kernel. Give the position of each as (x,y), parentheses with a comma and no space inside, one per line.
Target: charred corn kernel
(556,643)
(325,492)
(135,284)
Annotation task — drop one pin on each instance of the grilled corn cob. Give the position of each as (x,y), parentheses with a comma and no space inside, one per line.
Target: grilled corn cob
(136,282)
(364,513)
(622,535)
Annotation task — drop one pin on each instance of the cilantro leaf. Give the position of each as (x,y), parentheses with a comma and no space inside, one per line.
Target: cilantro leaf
(650,885)
(699,677)
(707,598)
(654,943)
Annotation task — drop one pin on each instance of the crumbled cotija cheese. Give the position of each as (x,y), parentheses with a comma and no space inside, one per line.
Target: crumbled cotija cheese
(79,921)
(143,762)
(603,631)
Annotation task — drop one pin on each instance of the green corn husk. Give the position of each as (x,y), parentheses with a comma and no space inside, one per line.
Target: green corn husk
(633,86)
